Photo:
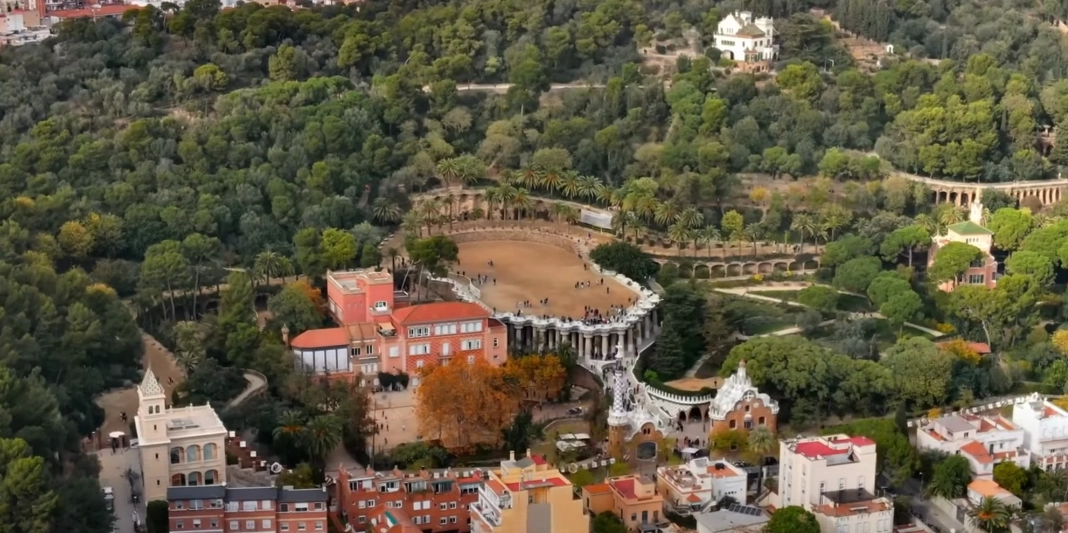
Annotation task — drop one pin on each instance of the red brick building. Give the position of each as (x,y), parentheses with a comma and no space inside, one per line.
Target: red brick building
(434,501)
(739,405)
(379,332)
(218,509)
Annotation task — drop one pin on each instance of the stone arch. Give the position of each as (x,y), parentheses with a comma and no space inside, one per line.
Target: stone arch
(702,271)
(682,415)
(795,265)
(811,263)
(695,414)
(192,453)
(195,479)
(211,477)
(178,480)
(749,269)
(765,268)
(718,271)
(780,265)
(734,269)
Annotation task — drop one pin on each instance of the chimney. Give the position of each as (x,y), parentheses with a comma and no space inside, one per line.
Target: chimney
(511,455)
(530,455)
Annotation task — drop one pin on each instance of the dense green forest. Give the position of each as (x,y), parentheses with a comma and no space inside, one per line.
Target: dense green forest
(140,156)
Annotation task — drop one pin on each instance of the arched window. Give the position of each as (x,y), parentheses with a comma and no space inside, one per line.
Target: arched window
(176,455)
(210,477)
(192,453)
(209,452)
(195,479)
(178,480)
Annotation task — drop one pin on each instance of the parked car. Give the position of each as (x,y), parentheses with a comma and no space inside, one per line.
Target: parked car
(109,498)
(575,411)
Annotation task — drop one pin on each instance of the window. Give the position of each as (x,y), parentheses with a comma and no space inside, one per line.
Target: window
(978,263)
(231,507)
(176,456)
(248,506)
(284,507)
(496,342)
(301,526)
(445,348)
(976,279)
(318,506)
(214,523)
(300,507)
(471,327)
(421,331)
(318,526)
(179,524)
(471,344)
(360,505)
(748,424)
(361,519)
(192,453)
(370,503)
(732,424)
(445,329)
(443,506)
(266,505)
(760,421)
(285,526)
(179,505)
(442,521)
(250,525)
(419,364)
(234,525)
(452,505)
(209,452)
(452,519)
(394,351)
(265,524)
(196,505)
(381,306)
(370,350)
(354,351)
(419,349)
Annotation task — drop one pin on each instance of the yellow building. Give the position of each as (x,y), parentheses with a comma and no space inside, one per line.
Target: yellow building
(179,447)
(633,498)
(527,496)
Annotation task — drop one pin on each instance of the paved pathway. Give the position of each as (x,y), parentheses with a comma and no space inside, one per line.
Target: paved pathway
(256,383)
(503,87)
(113,468)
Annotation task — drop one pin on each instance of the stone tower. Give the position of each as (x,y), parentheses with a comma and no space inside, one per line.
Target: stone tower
(618,414)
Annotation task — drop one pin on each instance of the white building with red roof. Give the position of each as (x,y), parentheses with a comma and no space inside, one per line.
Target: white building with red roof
(1045,429)
(833,477)
(984,440)
(699,484)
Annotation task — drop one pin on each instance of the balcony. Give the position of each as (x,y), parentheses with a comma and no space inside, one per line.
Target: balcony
(491,516)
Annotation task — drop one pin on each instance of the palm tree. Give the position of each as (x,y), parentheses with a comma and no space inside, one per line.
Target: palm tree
(385,211)
(412,223)
(691,217)
(450,207)
(393,252)
(753,233)
(550,180)
(494,196)
(448,171)
(948,214)
(571,216)
(321,436)
(477,213)
(835,217)
(680,234)
(521,200)
(933,226)
(991,515)
(708,235)
(290,426)
(762,441)
(189,347)
(570,184)
(529,177)
(620,221)
(556,211)
(588,187)
(804,223)
(266,264)
(667,213)
(429,213)
(638,227)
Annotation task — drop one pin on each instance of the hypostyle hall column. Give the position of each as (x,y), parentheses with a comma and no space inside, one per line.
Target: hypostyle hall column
(587,342)
(604,345)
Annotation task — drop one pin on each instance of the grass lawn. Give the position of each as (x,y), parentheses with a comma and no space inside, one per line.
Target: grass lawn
(885,333)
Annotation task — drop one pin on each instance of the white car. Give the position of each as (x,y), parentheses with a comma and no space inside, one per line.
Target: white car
(109,498)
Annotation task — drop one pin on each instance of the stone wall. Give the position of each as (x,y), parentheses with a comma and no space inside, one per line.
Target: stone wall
(520,234)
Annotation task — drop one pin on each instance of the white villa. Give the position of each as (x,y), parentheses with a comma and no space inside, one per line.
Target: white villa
(742,38)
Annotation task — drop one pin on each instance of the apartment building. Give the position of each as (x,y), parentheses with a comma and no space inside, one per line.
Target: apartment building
(1045,429)
(178,447)
(984,440)
(834,478)
(379,332)
(527,496)
(434,501)
(632,497)
(219,509)
(699,484)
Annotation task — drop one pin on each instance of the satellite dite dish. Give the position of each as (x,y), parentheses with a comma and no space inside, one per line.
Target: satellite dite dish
(612,461)
(276,468)
(573,468)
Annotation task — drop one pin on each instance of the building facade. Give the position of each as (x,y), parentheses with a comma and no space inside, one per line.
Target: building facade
(633,498)
(745,39)
(527,496)
(219,509)
(833,477)
(1045,429)
(984,270)
(699,484)
(178,447)
(436,501)
(376,333)
(984,440)
(739,405)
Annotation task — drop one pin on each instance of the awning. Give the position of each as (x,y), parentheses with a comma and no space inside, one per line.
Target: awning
(581,436)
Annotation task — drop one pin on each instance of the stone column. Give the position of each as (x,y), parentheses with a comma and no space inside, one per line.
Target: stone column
(637,341)
(539,338)
(587,342)
(604,345)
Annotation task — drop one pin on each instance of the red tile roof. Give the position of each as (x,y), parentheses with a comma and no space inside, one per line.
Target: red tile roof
(978,451)
(321,338)
(599,488)
(625,487)
(816,449)
(538,460)
(434,312)
(858,441)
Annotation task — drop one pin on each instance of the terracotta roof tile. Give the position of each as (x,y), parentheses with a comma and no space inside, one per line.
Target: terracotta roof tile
(321,338)
(599,488)
(434,312)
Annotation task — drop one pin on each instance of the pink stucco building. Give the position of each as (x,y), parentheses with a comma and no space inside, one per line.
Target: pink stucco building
(379,332)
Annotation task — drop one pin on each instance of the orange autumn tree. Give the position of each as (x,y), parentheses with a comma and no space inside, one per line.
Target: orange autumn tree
(541,377)
(961,349)
(464,404)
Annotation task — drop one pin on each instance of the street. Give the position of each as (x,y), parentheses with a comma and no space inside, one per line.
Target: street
(113,469)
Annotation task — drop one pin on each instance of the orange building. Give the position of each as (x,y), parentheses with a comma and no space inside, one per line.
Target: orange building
(633,498)
(527,496)
(431,501)
(219,509)
(379,332)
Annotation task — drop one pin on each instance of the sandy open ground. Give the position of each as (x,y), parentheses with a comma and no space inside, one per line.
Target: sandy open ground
(115,402)
(533,271)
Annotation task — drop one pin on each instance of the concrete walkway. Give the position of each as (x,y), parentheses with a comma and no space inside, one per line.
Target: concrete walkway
(256,383)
